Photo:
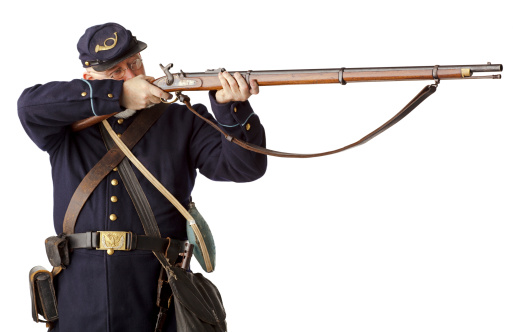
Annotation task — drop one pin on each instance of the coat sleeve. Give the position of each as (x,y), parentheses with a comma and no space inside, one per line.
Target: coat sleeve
(46,111)
(219,159)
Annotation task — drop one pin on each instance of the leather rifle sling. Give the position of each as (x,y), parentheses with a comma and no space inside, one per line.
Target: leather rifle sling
(111,159)
(418,99)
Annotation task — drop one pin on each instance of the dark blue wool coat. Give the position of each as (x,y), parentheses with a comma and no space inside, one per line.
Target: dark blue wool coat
(102,293)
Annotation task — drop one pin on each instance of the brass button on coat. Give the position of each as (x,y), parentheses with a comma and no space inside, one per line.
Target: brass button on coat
(119,135)
(110,95)
(235,109)
(84,94)
(113,217)
(114,182)
(248,126)
(120,121)
(114,199)
(115,169)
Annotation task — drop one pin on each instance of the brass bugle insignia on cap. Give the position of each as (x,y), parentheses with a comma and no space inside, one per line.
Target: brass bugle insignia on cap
(107,47)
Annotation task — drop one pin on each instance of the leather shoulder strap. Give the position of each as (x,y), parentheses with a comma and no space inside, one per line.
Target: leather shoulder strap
(110,160)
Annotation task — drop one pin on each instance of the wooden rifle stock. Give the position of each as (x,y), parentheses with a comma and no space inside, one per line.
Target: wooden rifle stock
(204,81)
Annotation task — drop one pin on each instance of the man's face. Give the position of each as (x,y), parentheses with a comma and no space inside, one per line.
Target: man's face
(124,70)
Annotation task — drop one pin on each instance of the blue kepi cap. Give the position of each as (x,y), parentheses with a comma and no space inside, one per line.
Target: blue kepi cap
(103,46)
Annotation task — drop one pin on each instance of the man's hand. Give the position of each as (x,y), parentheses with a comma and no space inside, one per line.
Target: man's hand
(235,88)
(139,93)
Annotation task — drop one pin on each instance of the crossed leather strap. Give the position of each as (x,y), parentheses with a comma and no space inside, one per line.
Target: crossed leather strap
(111,159)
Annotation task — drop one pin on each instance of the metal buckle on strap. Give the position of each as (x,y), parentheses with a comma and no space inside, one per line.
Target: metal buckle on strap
(112,241)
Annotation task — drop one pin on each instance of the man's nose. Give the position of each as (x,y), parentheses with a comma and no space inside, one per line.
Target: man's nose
(129,74)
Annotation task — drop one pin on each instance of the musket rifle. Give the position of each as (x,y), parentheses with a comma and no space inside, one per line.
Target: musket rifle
(208,80)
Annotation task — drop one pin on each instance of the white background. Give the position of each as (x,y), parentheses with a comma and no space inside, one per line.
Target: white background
(414,231)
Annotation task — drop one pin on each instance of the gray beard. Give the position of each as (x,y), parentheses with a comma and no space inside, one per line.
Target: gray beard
(125,114)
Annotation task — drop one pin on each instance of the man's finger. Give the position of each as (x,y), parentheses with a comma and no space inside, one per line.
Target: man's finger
(154,100)
(155,91)
(255,88)
(242,84)
(224,82)
(232,82)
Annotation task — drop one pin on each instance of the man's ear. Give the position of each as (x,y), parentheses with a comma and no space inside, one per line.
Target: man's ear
(87,76)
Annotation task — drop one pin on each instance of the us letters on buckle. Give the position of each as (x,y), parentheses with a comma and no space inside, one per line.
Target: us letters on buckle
(112,241)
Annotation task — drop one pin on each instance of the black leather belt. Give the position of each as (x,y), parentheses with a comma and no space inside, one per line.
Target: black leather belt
(125,241)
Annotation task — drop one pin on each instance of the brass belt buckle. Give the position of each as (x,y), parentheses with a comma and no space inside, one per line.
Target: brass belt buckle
(112,241)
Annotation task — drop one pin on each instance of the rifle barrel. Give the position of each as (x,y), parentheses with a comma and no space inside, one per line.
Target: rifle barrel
(209,80)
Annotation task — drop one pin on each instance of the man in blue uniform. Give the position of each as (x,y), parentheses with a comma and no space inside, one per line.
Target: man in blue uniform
(111,293)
